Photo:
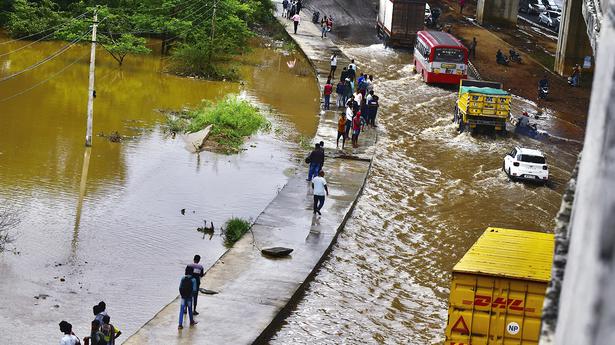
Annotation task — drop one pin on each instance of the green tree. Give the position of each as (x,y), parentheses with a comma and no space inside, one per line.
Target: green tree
(124,45)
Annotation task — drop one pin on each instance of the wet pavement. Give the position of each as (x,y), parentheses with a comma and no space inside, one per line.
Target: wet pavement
(254,291)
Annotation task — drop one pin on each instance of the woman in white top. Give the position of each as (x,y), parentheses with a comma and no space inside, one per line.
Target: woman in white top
(333,65)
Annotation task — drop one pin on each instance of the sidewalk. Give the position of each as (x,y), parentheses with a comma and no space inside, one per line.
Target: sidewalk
(255,291)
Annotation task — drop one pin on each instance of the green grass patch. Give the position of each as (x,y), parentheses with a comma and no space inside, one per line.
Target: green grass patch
(233,120)
(234,229)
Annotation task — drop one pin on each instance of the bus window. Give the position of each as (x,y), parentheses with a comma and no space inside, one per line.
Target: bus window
(449,55)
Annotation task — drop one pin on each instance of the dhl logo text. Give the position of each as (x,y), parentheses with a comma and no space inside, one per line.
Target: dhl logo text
(500,302)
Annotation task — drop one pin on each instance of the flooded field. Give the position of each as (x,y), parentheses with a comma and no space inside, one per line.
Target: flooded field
(94,233)
(430,195)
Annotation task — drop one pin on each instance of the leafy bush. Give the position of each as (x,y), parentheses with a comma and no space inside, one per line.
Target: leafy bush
(233,119)
(234,229)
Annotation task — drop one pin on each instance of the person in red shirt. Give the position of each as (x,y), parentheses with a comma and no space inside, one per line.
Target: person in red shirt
(328,90)
(356,129)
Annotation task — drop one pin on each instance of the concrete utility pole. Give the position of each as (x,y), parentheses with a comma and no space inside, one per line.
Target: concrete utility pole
(213,30)
(88,133)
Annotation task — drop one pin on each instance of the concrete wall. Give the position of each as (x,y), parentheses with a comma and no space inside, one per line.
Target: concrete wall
(586,308)
(573,43)
(498,12)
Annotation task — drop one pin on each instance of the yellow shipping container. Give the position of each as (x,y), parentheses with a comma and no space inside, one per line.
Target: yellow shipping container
(498,288)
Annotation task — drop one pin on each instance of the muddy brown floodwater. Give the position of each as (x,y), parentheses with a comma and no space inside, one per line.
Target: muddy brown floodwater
(118,235)
(430,195)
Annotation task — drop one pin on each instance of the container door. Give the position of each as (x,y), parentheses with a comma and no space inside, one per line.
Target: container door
(490,310)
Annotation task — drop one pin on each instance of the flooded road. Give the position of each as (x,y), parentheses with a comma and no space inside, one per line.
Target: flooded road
(430,195)
(117,235)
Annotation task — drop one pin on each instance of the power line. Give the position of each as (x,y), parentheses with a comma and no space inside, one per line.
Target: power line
(82,58)
(47,59)
(201,16)
(43,31)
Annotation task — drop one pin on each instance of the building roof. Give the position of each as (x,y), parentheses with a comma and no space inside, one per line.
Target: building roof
(508,253)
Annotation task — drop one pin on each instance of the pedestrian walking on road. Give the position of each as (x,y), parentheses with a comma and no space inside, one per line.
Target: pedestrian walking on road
(356,129)
(333,65)
(339,90)
(296,19)
(347,89)
(372,108)
(327,91)
(319,184)
(370,83)
(197,273)
(341,131)
(187,287)
(109,331)
(316,159)
(352,70)
(344,74)
(462,3)
(576,74)
(349,116)
(323,27)
(299,6)
(69,338)
(100,310)
(284,8)
(472,48)
(96,337)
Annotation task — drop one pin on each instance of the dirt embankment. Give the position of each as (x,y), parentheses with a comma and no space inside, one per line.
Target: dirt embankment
(538,52)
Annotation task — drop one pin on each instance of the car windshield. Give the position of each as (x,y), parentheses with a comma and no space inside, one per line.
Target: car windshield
(533,159)
(449,55)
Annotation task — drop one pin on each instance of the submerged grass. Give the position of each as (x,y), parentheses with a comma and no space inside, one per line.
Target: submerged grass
(234,229)
(233,119)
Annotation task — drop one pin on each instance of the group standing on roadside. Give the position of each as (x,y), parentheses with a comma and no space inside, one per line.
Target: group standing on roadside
(102,332)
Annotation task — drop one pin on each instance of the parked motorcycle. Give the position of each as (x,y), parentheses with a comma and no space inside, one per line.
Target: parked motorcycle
(514,56)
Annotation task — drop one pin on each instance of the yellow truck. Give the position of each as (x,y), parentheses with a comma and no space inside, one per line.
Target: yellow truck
(498,288)
(482,104)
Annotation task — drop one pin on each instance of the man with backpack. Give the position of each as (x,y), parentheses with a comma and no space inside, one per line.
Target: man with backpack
(197,273)
(187,288)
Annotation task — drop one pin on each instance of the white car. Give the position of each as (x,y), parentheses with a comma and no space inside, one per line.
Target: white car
(526,164)
(535,7)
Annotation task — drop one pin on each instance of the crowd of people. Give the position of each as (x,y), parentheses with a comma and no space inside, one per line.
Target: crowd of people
(355,93)
(102,332)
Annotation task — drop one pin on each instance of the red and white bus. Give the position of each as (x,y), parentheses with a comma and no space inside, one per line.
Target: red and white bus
(440,58)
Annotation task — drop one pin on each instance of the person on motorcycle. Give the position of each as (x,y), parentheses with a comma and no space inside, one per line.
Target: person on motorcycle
(543,87)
